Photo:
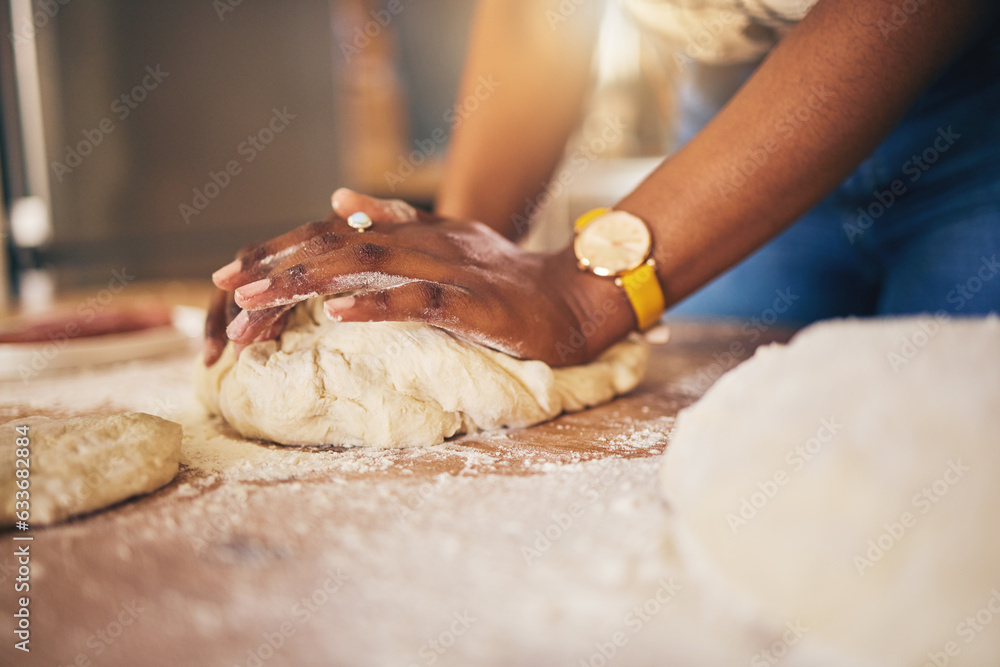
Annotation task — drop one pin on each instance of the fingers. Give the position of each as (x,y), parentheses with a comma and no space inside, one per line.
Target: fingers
(215,326)
(449,307)
(420,300)
(249,327)
(252,326)
(310,240)
(359,266)
(345,202)
(294,247)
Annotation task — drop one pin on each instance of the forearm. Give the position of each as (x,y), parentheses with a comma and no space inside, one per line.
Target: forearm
(821,102)
(501,154)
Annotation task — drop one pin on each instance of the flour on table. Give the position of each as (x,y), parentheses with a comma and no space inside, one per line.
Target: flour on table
(848,482)
(82,464)
(396,384)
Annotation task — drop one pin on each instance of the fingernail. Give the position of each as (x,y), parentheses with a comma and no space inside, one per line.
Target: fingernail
(254,288)
(333,306)
(333,201)
(228,271)
(211,352)
(238,326)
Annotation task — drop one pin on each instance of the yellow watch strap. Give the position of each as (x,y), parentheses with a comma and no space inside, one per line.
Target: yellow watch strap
(589,217)
(644,293)
(641,285)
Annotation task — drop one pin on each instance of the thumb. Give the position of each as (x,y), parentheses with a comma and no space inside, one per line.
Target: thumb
(345,202)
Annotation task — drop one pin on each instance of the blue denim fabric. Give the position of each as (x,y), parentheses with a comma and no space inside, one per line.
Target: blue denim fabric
(916,228)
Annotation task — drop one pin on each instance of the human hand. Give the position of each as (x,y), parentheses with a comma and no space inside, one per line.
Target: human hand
(281,253)
(457,275)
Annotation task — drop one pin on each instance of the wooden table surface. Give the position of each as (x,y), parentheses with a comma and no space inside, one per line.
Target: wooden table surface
(521,547)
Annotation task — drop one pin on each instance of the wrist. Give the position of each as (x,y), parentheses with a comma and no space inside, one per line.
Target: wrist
(601,308)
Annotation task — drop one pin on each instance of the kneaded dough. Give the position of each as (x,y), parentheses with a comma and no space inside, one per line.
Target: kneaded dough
(396,384)
(82,464)
(849,481)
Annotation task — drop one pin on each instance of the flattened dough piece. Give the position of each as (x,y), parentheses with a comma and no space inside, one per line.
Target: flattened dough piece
(849,482)
(396,384)
(83,464)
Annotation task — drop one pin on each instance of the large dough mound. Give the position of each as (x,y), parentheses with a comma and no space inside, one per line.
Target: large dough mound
(83,464)
(850,482)
(396,384)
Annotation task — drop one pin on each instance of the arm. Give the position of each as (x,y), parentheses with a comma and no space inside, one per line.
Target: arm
(463,277)
(850,78)
(501,153)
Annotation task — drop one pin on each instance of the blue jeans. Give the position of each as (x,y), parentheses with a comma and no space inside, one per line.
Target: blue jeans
(915,229)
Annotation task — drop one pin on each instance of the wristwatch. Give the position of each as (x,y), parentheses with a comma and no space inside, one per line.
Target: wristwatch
(618,244)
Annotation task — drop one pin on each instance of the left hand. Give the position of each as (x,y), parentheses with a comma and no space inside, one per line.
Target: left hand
(413,266)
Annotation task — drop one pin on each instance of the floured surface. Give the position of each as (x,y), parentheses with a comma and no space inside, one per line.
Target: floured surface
(364,557)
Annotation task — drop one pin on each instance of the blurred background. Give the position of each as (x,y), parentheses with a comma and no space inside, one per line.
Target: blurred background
(160,138)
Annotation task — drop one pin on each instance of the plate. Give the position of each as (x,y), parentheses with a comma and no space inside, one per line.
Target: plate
(25,361)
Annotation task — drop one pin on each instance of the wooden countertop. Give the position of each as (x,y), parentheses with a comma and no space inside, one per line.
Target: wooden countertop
(531,546)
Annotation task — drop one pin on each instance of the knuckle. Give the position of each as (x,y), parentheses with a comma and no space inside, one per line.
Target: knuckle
(326,241)
(253,254)
(315,228)
(371,254)
(432,295)
(296,274)
(381,300)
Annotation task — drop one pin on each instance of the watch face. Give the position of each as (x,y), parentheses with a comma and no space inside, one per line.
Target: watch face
(612,244)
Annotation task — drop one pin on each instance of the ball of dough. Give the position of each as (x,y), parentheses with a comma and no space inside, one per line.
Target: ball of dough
(850,481)
(396,384)
(83,464)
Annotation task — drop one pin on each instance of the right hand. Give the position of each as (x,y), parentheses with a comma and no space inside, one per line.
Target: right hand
(223,308)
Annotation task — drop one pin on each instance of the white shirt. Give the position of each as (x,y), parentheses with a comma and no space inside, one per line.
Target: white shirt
(718,31)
